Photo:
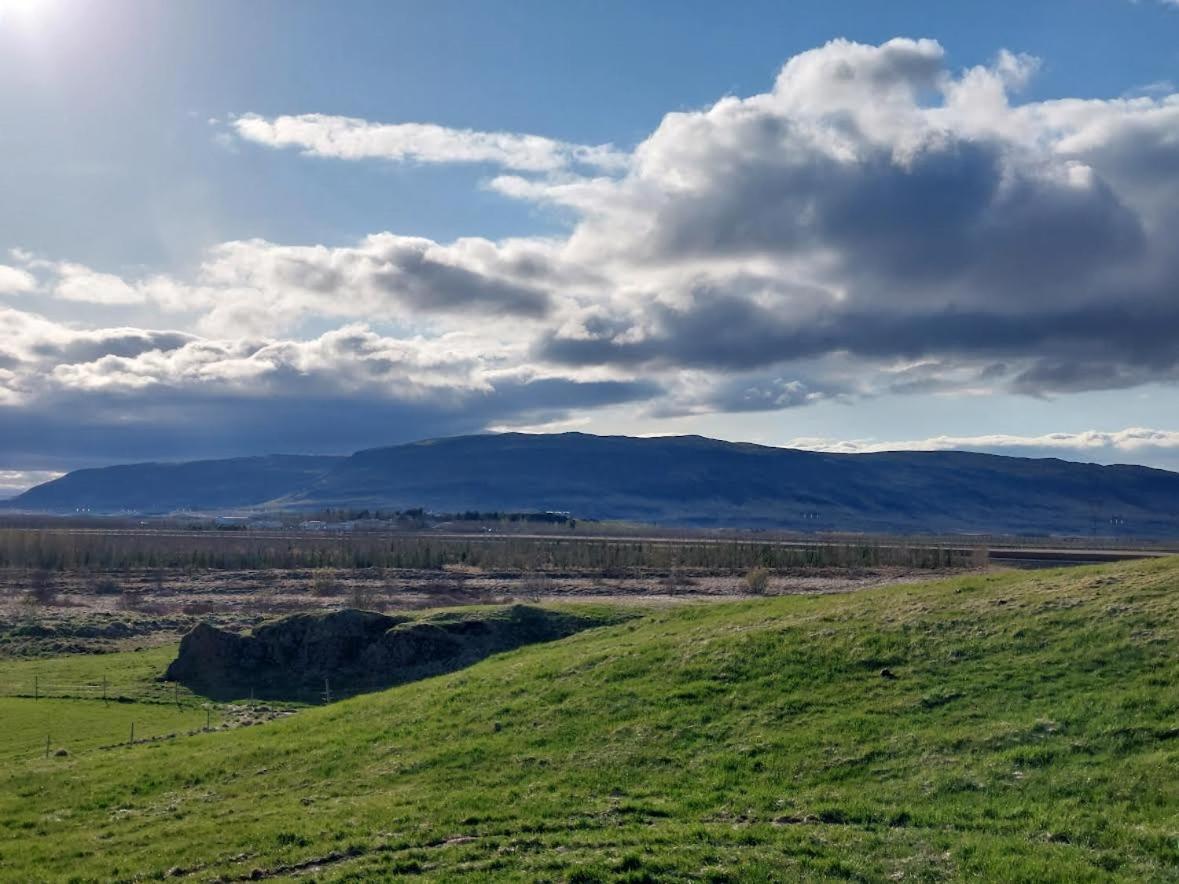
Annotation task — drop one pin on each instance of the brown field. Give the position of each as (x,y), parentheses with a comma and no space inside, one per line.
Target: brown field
(59,612)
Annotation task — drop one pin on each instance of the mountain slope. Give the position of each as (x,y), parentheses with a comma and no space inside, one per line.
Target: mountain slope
(164,487)
(1025,737)
(692,480)
(673,480)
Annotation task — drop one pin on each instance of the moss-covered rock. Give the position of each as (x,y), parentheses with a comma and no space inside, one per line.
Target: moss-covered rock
(306,655)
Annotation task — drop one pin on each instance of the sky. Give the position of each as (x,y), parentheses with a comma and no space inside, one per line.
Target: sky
(231,229)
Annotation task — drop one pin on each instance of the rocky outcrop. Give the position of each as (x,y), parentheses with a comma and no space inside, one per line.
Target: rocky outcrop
(357,650)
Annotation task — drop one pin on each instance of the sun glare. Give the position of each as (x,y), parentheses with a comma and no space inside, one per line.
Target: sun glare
(19,10)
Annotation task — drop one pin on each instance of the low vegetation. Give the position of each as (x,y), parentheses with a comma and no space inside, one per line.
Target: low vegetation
(1006,726)
(757,580)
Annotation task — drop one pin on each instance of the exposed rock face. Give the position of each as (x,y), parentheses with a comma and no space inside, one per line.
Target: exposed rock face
(357,650)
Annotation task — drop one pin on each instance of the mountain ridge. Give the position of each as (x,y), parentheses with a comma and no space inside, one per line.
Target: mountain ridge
(674,480)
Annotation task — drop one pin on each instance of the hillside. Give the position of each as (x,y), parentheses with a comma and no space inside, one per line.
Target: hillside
(1024,735)
(685,480)
(167,487)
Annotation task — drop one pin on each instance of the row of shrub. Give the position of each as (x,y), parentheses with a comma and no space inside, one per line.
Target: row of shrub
(55,550)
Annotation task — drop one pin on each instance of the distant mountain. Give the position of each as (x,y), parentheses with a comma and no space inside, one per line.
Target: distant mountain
(685,480)
(168,487)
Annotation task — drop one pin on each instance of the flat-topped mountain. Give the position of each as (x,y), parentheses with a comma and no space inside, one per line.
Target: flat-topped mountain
(684,480)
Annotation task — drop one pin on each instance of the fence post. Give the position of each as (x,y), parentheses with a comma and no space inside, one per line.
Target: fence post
(47,745)
(104,700)
(131,742)
(176,693)
(36,687)
(327,691)
(208,719)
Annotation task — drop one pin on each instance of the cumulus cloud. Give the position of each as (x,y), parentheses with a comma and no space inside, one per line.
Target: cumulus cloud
(28,337)
(349,138)
(385,275)
(79,283)
(264,287)
(876,204)
(115,393)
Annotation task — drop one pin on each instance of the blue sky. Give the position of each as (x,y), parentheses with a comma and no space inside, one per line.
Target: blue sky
(183,244)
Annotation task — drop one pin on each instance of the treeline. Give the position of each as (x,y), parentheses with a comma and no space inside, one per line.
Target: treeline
(93,551)
(419,517)
(531,518)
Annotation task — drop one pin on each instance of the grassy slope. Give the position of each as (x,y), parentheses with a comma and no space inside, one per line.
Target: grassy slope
(1032,734)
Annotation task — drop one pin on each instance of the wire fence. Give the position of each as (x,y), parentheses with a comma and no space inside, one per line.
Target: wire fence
(241,698)
(61,720)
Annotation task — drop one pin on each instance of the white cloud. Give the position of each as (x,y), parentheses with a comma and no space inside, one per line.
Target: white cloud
(1129,441)
(345,360)
(1157,87)
(13,280)
(77,282)
(13,482)
(349,138)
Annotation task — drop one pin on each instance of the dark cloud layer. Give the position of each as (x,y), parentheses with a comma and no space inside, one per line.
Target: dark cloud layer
(74,429)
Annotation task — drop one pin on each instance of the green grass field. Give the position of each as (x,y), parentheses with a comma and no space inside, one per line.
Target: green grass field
(85,725)
(60,699)
(130,674)
(1031,733)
